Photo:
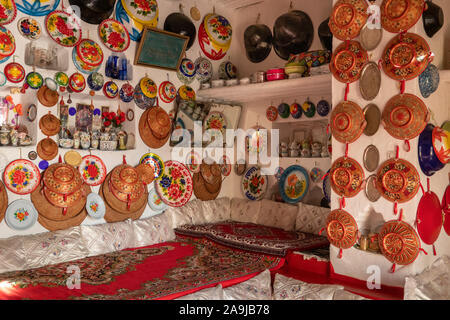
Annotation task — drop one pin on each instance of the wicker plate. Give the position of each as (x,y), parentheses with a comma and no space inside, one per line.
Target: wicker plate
(342,230)
(346,177)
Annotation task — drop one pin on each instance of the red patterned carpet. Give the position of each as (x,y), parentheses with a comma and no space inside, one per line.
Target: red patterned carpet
(164,271)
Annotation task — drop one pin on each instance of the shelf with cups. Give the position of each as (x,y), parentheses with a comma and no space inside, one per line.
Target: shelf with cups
(319,85)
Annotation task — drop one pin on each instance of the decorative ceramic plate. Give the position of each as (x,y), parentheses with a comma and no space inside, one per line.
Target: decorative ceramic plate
(316,175)
(148,87)
(398,180)
(80,65)
(167,92)
(186,93)
(110,89)
(92,170)
(323,108)
(404,116)
(406,56)
(95,206)
(176,185)
(193,161)
(216,121)
(225,166)
(8,43)
(441,144)
(347,18)
(207,46)
(31,112)
(21,176)
(35,80)
(114,35)
(309,109)
(342,229)
(347,122)
(155,161)
(186,71)
(219,30)
(62,79)
(8,11)
(77,82)
(272,113)
(155,202)
(21,215)
(29,28)
(141,100)
(63,28)
(37,8)
(296,110)
(134,28)
(400,15)
(96,81)
(254,184)
(399,242)
(346,177)
(142,11)
(294,184)
(126,93)
(348,61)
(203,69)
(90,52)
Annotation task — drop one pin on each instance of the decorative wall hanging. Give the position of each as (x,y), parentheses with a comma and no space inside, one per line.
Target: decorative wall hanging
(21,177)
(258,41)
(370,37)
(428,159)
(200,190)
(125,186)
(8,46)
(406,56)
(429,80)
(372,114)
(215,121)
(146,173)
(145,12)
(134,28)
(155,202)
(178,22)
(161,49)
(227,70)
(347,122)
(29,28)
(34,80)
(211,177)
(346,178)
(296,110)
(208,45)
(371,190)
(254,184)
(272,113)
(47,149)
(95,81)
(294,184)
(141,100)
(193,161)
(77,82)
(433,18)
(95,206)
(400,16)
(126,93)
(347,18)
(186,71)
(309,109)
(47,97)
(8,11)
(37,8)
(225,166)
(148,87)
(114,35)
(63,29)
(203,69)
(284,110)
(73,158)
(154,161)
(175,186)
(186,93)
(240,167)
(92,170)
(342,230)
(49,125)
(441,144)
(21,215)
(167,92)
(110,89)
(370,81)
(87,56)
(14,72)
(323,108)
(371,158)
(62,79)
(348,61)
(31,112)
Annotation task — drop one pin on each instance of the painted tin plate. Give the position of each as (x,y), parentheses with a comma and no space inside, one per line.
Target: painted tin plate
(193,161)
(110,89)
(148,87)
(219,30)
(77,82)
(8,11)
(254,184)
(429,80)
(92,170)
(370,81)
(29,28)
(294,184)
(114,35)
(441,144)
(134,28)
(203,69)
(175,187)
(429,218)
(155,202)
(8,42)
(143,11)
(90,52)
(272,113)
(316,174)
(21,215)
(62,79)
(216,121)
(21,177)
(63,29)
(167,92)
(155,161)
(37,8)
(95,206)
(35,80)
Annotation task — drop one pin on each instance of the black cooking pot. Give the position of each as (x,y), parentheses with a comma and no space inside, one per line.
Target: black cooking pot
(179,23)
(433,18)
(293,33)
(325,35)
(258,42)
(94,11)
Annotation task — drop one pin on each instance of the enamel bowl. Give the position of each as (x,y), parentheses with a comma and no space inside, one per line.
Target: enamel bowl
(428,160)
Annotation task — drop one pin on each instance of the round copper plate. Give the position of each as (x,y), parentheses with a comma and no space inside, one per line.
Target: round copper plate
(400,15)
(347,18)
(348,61)
(342,230)
(399,242)
(405,116)
(62,178)
(398,180)
(347,122)
(346,177)
(406,56)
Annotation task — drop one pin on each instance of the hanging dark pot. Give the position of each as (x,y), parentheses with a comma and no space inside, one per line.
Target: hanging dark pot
(325,35)
(93,11)
(433,18)
(293,33)
(258,42)
(179,23)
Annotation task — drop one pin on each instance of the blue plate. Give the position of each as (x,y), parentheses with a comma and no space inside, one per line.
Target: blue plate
(294,184)
(95,206)
(36,8)
(428,161)
(323,108)
(429,80)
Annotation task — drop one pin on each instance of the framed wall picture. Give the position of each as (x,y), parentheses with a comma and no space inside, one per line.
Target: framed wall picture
(161,49)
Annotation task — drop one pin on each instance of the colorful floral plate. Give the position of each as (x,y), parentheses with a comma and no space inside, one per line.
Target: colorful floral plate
(346,177)
(316,174)
(92,170)
(80,65)
(176,185)
(95,206)
(21,177)
(207,46)
(90,52)
(203,69)
(62,79)
(63,28)
(167,92)
(193,161)
(148,87)
(254,184)
(134,28)
(294,184)
(21,215)
(398,16)
(155,161)
(225,166)
(7,43)
(110,89)
(8,11)
(155,202)
(348,18)
(143,11)
(186,71)
(216,121)
(272,113)
(114,35)
(77,82)
(35,80)
(348,61)
(186,93)
(14,72)
(29,28)
(37,8)
(219,30)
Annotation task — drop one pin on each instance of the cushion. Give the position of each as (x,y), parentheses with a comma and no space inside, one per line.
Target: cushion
(217,210)
(254,238)
(215,293)
(277,214)
(153,230)
(285,288)
(311,219)
(194,210)
(177,217)
(245,210)
(257,288)
(53,247)
(109,237)
(12,254)
(346,295)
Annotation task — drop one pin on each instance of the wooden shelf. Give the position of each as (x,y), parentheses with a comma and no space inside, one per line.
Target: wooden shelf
(309,86)
(314,120)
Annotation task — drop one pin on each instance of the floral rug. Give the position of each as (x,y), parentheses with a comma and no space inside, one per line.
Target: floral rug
(164,271)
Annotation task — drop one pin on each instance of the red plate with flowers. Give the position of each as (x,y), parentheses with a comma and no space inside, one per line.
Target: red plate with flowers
(7,43)
(272,113)
(216,121)
(254,184)
(63,28)
(93,170)
(148,87)
(90,52)
(111,89)
(8,11)
(14,72)
(114,35)
(176,185)
(167,91)
(77,82)
(21,177)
